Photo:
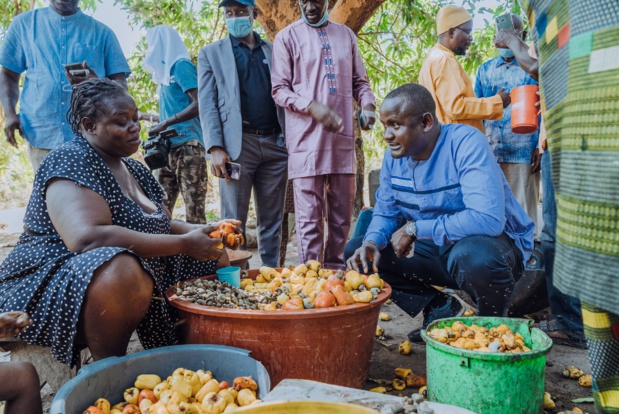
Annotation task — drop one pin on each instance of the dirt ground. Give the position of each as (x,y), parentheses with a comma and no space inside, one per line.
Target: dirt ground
(385,355)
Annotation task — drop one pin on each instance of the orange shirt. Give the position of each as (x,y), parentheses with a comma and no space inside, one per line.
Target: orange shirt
(452,90)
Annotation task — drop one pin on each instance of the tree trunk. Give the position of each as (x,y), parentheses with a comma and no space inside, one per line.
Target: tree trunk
(360,157)
(276,14)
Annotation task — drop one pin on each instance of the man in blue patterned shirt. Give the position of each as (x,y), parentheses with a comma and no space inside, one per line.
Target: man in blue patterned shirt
(517,154)
(444,215)
(39,42)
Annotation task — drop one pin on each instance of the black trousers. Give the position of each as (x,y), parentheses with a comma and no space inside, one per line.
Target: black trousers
(484,267)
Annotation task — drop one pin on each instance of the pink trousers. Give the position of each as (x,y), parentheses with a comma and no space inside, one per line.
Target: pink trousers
(322,210)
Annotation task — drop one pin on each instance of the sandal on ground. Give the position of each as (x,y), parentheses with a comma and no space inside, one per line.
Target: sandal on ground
(550,328)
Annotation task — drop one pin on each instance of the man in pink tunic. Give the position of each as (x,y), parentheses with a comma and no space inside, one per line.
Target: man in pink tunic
(317,71)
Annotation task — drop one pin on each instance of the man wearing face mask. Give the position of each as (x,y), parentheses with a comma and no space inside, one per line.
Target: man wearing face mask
(241,123)
(40,42)
(517,154)
(317,72)
(445,78)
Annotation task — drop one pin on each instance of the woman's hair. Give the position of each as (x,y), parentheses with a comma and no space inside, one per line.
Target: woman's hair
(88,101)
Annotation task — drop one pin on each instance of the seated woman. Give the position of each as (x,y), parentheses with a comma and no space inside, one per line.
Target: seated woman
(99,249)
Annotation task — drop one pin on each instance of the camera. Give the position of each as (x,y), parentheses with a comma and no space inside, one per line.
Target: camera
(156,149)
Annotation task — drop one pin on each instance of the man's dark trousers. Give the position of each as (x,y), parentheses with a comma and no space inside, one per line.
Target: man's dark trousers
(484,267)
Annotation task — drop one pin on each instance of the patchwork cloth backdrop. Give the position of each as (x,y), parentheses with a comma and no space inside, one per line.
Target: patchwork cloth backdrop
(578,43)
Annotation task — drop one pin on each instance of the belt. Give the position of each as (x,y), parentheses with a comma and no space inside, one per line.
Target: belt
(262,132)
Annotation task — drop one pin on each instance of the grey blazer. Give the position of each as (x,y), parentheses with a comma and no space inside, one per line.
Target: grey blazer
(219,96)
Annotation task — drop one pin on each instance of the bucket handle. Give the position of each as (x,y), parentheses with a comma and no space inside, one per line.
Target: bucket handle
(464,362)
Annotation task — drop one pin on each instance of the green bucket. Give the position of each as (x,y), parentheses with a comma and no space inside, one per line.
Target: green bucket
(489,383)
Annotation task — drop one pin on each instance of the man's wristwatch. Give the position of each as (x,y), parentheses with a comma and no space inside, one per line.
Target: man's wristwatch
(411,229)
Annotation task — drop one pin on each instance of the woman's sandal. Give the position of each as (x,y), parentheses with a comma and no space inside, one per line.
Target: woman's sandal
(550,328)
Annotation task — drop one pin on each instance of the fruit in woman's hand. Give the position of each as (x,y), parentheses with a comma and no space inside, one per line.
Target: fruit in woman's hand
(227,232)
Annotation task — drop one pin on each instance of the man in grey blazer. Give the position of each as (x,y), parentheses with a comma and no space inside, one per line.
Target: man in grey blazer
(242,124)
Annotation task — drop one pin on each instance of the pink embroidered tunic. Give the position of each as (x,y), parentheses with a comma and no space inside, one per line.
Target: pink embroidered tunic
(324,65)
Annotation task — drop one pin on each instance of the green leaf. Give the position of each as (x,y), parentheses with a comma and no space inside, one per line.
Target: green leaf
(583,400)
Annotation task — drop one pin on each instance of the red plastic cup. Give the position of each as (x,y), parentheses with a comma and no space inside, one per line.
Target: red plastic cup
(524,111)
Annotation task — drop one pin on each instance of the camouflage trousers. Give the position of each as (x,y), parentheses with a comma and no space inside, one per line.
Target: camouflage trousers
(186,173)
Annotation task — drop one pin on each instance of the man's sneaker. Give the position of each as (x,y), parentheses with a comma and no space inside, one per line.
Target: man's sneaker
(451,309)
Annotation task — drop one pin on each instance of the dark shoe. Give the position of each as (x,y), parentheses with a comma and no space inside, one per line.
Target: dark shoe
(551,328)
(450,309)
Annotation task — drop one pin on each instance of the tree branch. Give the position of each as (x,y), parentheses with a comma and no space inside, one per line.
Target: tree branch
(369,63)
(380,52)
(211,38)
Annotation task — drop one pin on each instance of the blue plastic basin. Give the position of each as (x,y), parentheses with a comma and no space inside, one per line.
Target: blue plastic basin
(110,377)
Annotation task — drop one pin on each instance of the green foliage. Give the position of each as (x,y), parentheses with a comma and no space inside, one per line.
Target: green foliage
(15,170)
(198,23)
(395,42)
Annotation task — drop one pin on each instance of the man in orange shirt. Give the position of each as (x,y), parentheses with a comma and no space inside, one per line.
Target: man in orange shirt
(449,84)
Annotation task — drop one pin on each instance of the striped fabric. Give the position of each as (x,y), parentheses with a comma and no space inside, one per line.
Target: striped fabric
(602,332)
(578,42)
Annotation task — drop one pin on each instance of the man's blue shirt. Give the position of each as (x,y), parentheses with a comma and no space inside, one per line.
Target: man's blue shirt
(174,99)
(39,42)
(460,191)
(508,146)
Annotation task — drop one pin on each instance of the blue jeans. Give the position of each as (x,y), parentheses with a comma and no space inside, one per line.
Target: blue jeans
(484,267)
(565,309)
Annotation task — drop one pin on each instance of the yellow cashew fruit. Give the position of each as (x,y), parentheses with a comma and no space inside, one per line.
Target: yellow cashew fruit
(213,403)
(147,381)
(245,397)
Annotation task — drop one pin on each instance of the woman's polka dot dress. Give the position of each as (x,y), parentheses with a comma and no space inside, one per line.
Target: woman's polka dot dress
(42,277)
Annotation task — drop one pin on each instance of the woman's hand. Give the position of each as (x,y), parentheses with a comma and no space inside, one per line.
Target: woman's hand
(12,323)
(198,245)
